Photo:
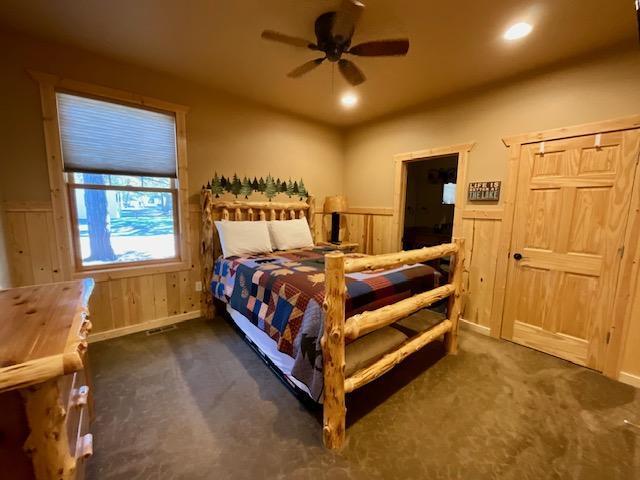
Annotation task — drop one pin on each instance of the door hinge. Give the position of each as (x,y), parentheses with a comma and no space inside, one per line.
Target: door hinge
(621,251)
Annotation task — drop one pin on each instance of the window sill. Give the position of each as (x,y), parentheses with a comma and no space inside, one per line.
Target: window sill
(105,274)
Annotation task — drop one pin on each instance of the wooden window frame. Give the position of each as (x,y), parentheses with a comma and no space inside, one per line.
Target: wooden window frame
(72,186)
(63,204)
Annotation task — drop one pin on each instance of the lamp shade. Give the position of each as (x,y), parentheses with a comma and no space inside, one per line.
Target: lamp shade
(335,204)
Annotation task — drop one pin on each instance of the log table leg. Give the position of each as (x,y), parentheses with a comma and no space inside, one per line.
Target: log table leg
(48,444)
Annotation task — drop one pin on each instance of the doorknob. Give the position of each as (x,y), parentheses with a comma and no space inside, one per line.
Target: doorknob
(517,256)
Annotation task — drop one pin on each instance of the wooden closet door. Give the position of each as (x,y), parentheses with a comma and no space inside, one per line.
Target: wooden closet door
(572,203)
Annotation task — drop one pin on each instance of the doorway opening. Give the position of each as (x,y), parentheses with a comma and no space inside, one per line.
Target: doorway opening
(429,204)
(436,180)
(430,199)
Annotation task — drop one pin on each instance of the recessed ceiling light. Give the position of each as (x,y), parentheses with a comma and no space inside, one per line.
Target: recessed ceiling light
(518,30)
(349,100)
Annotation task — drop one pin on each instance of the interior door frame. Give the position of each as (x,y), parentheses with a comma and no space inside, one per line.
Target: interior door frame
(629,273)
(400,184)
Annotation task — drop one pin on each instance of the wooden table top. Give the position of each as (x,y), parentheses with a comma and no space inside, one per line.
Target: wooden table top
(41,333)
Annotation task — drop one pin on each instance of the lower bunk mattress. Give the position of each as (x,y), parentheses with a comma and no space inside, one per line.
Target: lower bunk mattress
(276,300)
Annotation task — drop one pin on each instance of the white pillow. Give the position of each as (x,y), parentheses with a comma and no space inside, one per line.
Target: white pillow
(290,234)
(243,238)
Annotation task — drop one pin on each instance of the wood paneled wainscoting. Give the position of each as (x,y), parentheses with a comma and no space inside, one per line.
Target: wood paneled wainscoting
(118,306)
(481,230)
(368,227)
(372,229)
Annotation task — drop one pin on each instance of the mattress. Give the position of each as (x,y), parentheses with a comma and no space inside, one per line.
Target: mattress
(268,347)
(280,295)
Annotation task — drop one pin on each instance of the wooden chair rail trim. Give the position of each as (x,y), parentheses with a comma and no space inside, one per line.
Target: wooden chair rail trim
(393,260)
(383,211)
(391,359)
(366,322)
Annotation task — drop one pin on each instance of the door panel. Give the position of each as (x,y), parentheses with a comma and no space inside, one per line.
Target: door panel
(572,204)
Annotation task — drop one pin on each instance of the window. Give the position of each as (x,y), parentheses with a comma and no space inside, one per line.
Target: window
(120,166)
(122,219)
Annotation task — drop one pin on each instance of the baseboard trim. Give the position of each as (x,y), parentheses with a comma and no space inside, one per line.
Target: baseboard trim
(474,327)
(141,327)
(630,379)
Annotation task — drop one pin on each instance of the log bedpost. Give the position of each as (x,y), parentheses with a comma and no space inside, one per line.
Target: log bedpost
(311,214)
(333,352)
(455,300)
(206,252)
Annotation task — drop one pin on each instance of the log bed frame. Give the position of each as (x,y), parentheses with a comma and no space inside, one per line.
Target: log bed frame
(338,329)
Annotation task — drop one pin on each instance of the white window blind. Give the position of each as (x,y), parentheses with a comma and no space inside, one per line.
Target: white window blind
(105,137)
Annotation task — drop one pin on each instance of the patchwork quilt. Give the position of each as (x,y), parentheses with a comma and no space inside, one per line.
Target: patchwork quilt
(282,294)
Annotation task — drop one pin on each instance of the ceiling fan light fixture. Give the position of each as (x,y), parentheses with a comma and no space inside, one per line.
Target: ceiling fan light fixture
(518,30)
(349,100)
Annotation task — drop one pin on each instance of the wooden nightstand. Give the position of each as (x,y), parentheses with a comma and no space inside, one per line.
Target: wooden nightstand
(346,247)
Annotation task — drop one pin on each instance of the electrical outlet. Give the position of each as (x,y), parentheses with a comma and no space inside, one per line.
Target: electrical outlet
(198,286)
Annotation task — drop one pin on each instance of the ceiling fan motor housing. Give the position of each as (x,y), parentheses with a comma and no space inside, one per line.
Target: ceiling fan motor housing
(333,47)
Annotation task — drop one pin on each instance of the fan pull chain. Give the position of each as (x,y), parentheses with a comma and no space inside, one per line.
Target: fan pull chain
(333,79)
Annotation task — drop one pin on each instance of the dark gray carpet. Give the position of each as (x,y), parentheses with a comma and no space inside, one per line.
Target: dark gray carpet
(198,403)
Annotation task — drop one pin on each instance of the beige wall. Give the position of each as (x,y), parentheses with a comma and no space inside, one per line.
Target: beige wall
(606,87)
(225,133)
(598,89)
(228,134)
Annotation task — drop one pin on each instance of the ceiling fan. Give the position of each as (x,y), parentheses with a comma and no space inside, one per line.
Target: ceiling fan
(334,31)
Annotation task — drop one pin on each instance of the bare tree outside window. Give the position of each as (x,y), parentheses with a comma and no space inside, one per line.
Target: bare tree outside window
(99,230)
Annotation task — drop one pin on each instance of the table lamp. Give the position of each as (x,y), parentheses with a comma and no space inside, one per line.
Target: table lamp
(335,205)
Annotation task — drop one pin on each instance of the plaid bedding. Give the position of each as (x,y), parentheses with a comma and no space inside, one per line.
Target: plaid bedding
(282,294)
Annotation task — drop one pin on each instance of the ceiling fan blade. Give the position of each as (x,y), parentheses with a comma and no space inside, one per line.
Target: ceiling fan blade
(381,48)
(350,72)
(288,39)
(305,68)
(346,19)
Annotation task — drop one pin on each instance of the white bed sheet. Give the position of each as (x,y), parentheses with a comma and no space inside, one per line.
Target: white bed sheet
(267,346)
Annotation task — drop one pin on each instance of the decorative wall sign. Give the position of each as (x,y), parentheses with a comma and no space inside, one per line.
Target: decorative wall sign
(245,187)
(484,191)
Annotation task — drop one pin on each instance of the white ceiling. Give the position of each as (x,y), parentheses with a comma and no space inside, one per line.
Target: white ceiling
(455,45)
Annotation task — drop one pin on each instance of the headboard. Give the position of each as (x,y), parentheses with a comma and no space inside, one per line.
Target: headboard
(238,210)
